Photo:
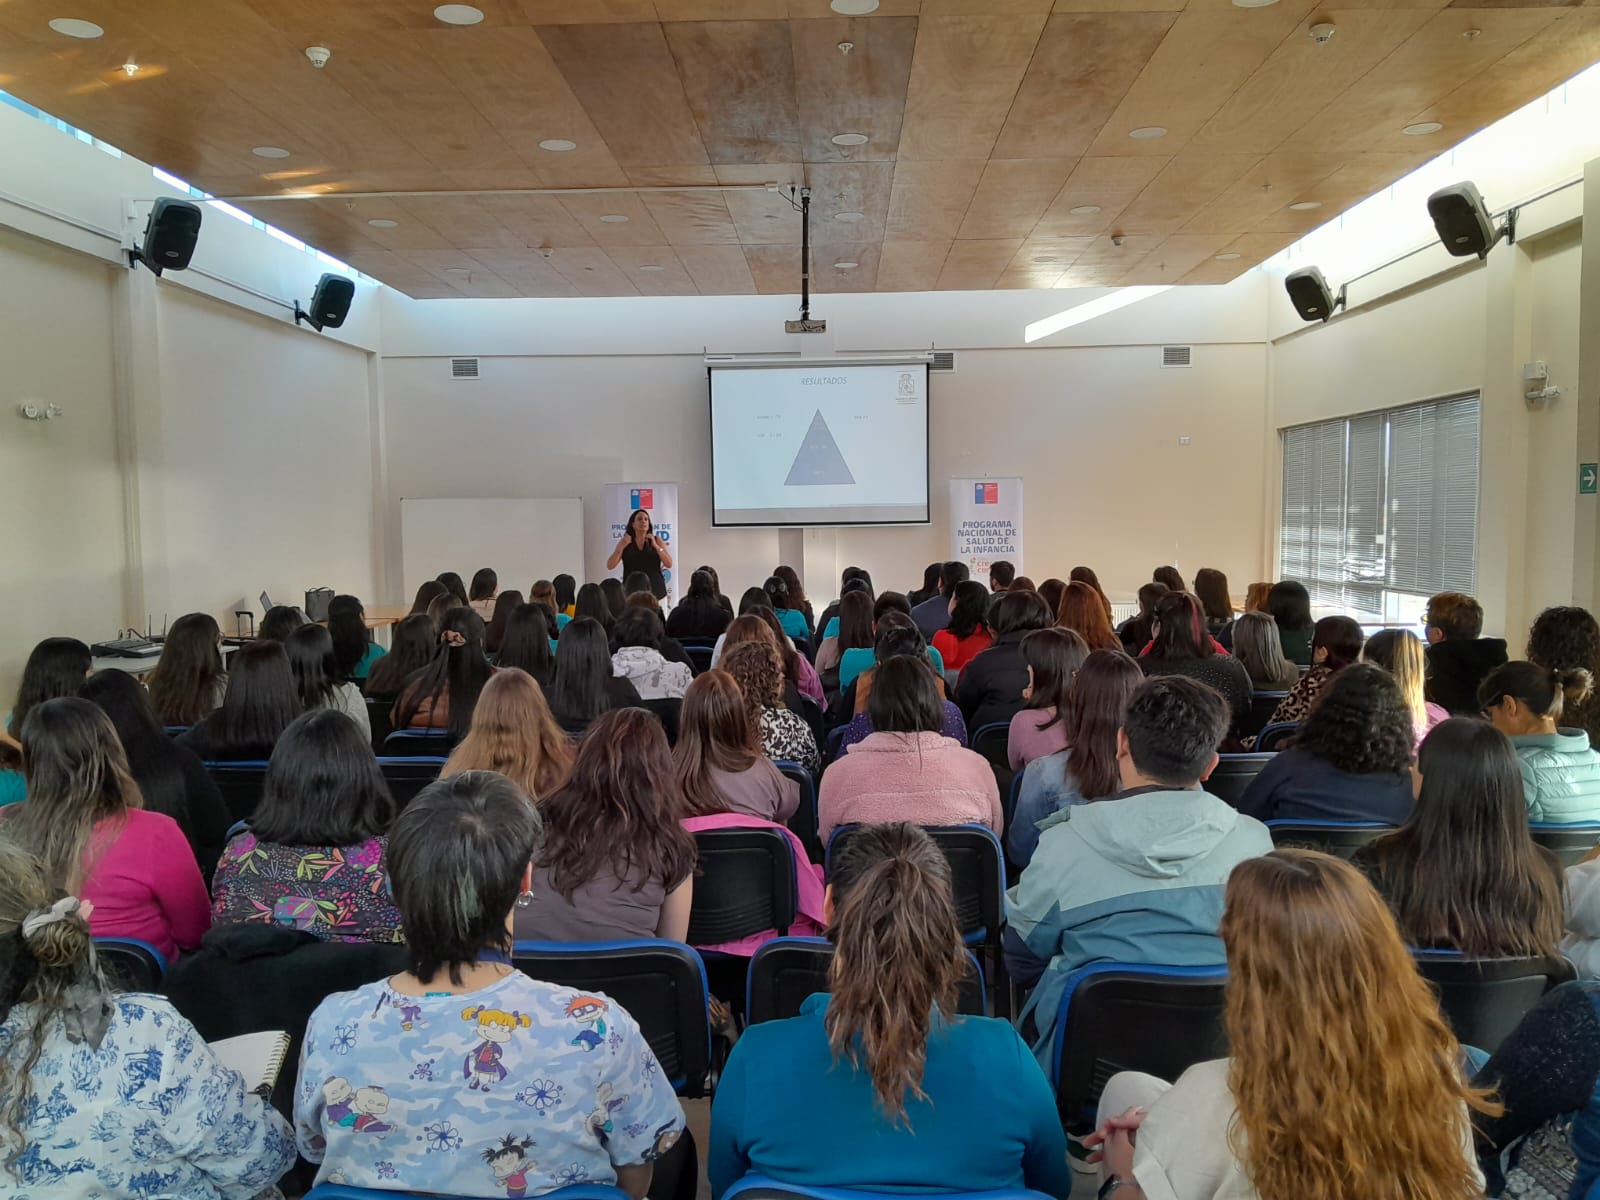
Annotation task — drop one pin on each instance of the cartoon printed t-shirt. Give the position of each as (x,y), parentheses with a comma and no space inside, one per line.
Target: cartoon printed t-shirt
(515,1089)
(338,893)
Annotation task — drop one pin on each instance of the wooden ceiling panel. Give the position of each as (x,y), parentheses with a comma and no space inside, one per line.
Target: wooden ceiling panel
(739,80)
(462,221)
(863,277)
(1083,66)
(672,279)
(775,269)
(1264,191)
(1107,185)
(930,199)
(536,220)
(1175,257)
(310,22)
(1012,195)
(863,91)
(718,270)
(911,266)
(591,272)
(964,76)
(1184,185)
(821,9)
(692,218)
(528,271)
(848,188)
(591,12)
(466,273)
(975,265)
(764,217)
(638,229)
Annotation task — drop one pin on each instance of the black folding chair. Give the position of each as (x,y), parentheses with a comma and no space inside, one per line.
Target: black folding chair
(380,715)
(1340,838)
(1485,998)
(414,743)
(745,885)
(803,824)
(1262,706)
(993,741)
(666,711)
(241,785)
(661,984)
(788,969)
(699,657)
(1124,1017)
(1233,775)
(406,776)
(1569,843)
(131,965)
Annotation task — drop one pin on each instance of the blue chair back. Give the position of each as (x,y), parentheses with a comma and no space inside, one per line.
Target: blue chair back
(413,743)
(699,657)
(241,784)
(993,741)
(666,710)
(836,742)
(977,875)
(1122,1017)
(1340,838)
(1233,774)
(786,970)
(1485,998)
(1008,798)
(804,822)
(1569,843)
(662,984)
(409,774)
(1262,706)
(745,886)
(577,1191)
(1276,737)
(131,965)
(760,1187)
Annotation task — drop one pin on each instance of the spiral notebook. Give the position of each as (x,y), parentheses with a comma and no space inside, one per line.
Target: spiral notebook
(257,1057)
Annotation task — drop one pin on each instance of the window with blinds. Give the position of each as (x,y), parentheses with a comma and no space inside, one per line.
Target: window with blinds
(1382,507)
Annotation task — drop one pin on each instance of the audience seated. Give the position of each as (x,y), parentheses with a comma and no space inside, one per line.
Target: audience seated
(933,614)
(1002,575)
(1400,652)
(699,614)
(1087,575)
(514,732)
(930,584)
(1169,576)
(353,647)
(828,624)
(585,685)
(84,820)
(757,669)
(1181,646)
(1259,651)
(317,679)
(544,592)
(1567,638)
(1459,657)
(903,1093)
(798,598)
(1336,642)
(966,634)
(1054,657)
(1290,606)
(716,588)
(279,622)
(1211,589)
(1135,632)
(440,605)
(616,597)
(1342,1081)
(798,673)
(188,682)
(171,779)
(990,688)
(757,626)
(410,650)
(637,636)
(1463,873)
(1088,770)
(793,619)
(718,761)
(1350,761)
(312,856)
(615,862)
(429,1079)
(1560,770)
(260,702)
(1051,591)
(107,1095)
(1255,597)
(427,592)
(1083,610)
(56,667)
(566,589)
(592,603)
(895,636)
(453,585)
(854,661)
(485,587)
(494,633)
(442,694)
(854,632)
(906,770)
(526,644)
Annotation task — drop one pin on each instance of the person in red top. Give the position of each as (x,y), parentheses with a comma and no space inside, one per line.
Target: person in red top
(85,821)
(966,634)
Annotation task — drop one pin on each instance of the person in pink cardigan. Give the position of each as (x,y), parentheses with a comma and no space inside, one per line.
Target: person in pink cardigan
(907,771)
(85,820)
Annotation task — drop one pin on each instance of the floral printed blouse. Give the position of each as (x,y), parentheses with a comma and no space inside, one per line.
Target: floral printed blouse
(337,893)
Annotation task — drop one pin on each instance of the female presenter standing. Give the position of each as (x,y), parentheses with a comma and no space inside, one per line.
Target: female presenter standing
(639,549)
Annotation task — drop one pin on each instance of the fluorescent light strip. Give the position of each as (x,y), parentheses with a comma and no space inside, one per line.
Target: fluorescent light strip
(1098,307)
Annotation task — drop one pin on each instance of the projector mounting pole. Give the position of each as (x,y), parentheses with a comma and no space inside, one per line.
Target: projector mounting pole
(805,254)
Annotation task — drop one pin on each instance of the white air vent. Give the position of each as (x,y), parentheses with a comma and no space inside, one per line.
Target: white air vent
(463,368)
(1175,356)
(943,360)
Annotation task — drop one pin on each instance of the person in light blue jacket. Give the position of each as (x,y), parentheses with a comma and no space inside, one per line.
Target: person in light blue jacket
(1560,769)
(1139,878)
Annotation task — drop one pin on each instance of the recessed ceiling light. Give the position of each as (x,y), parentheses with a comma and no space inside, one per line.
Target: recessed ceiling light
(1084,210)
(614,219)
(72,27)
(557,145)
(131,68)
(270,152)
(1253,3)
(854,8)
(1305,205)
(1146,133)
(1228,256)
(382,223)
(1045,258)
(1422,129)
(652,267)
(849,139)
(845,266)
(849,218)
(458,14)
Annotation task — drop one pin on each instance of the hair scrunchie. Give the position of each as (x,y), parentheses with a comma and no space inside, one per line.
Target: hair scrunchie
(451,637)
(40,917)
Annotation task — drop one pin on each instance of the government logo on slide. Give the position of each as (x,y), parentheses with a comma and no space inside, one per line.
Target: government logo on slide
(643,497)
(986,493)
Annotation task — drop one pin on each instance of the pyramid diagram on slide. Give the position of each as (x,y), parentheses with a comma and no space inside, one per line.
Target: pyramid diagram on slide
(819,460)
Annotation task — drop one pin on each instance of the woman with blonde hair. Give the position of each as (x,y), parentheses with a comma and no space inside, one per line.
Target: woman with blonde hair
(514,733)
(1260,652)
(1400,652)
(1343,1079)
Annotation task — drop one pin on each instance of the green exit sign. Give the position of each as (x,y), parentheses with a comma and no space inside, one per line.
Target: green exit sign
(1588,477)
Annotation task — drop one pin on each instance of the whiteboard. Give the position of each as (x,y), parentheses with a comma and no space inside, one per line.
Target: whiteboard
(522,540)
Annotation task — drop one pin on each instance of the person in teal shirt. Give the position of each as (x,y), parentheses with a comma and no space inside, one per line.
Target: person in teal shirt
(793,620)
(13,788)
(975,1114)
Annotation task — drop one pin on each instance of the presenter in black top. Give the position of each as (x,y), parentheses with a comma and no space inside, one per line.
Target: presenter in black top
(639,549)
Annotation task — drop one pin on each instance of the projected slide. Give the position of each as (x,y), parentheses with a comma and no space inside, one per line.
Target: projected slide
(819,444)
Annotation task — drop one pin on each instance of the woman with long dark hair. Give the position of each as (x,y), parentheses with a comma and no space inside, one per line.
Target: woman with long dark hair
(317,678)
(258,706)
(930,584)
(1560,769)
(853,631)
(699,614)
(56,667)
(585,685)
(1051,590)
(279,622)
(1171,576)
(188,681)
(1181,646)
(1211,589)
(485,587)
(495,631)
(566,588)
(893,636)
(1290,606)
(544,592)
(856,661)
(1350,761)
(514,733)
(1136,631)
(1463,873)
(1342,1078)
(443,694)
(1087,770)
(616,598)
(909,1095)
(592,603)
(1053,657)
(1083,610)
(966,636)
(171,779)
(1565,638)
(312,857)
(353,647)
(641,549)
(990,688)
(411,649)
(797,596)
(829,621)
(615,862)
(453,585)
(1336,642)
(525,644)
(86,823)
(1087,575)
(427,592)
(792,620)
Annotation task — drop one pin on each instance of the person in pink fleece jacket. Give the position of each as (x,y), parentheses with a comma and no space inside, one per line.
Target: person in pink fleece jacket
(907,771)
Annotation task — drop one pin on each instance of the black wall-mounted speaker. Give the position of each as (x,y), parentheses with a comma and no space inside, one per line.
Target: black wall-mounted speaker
(1462,220)
(330,303)
(169,235)
(1310,294)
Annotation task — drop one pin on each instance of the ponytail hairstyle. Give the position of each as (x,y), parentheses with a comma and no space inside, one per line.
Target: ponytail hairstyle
(1399,652)
(458,671)
(714,733)
(1341,637)
(1543,691)
(566,589)
(47,963)
(898,957)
